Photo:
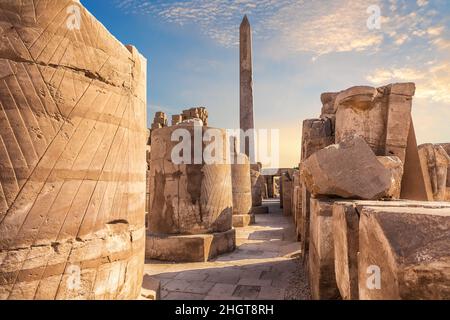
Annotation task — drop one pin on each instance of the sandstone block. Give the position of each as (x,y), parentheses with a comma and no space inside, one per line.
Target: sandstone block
(382,116)
(189,248)
(346,216)
(345,231)
(349,170)
(404,253)
(321,270)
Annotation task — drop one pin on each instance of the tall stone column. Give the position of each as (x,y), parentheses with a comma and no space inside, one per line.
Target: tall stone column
(190,216)
(242,192)
(246,87)
(72,156)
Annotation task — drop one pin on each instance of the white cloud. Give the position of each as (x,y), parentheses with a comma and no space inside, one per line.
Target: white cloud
(317,27)
(422,3)
(433,84)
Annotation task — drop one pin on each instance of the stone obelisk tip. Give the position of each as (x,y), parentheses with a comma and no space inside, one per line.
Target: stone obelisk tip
(245,21)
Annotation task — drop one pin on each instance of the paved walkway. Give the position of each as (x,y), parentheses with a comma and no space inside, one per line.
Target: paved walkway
(265,265)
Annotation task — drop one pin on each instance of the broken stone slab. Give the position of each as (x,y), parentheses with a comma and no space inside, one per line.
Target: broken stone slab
(416,183)
(321,269)
(346,216)
(260,210)
(349,169)
(404,253)
(189,248)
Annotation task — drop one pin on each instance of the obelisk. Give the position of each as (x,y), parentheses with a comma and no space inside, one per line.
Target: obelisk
(246,86)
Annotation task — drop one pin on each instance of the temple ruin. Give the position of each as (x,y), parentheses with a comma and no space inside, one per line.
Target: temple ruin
(96,205)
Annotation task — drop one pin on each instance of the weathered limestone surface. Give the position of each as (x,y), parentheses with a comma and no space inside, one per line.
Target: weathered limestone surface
(242,192)
(188,199)
(382,116)
(322,277)
(349,170)
(72,157)
(411,246)
(437,161)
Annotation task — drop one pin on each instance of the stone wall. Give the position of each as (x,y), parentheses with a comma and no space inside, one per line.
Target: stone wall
(72,150)
(380,249)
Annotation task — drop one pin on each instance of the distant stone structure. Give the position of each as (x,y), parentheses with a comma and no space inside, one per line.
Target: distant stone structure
(72,157)
(160,121)
(190,216)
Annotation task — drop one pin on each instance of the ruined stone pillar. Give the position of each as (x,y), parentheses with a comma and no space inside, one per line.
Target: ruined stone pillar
(270,187)
(286,183)
(437,161)
(246,85)
(72,155)
(191,202)
(257,198)
(242,192)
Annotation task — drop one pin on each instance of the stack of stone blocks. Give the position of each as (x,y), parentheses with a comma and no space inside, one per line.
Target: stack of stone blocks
(359,240)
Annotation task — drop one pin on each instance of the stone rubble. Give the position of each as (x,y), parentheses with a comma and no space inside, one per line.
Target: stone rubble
(364,147)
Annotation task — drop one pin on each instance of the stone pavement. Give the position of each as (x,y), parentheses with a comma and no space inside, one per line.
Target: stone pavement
(264,266)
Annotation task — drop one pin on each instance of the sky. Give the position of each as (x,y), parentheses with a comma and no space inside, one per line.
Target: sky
(301,48)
